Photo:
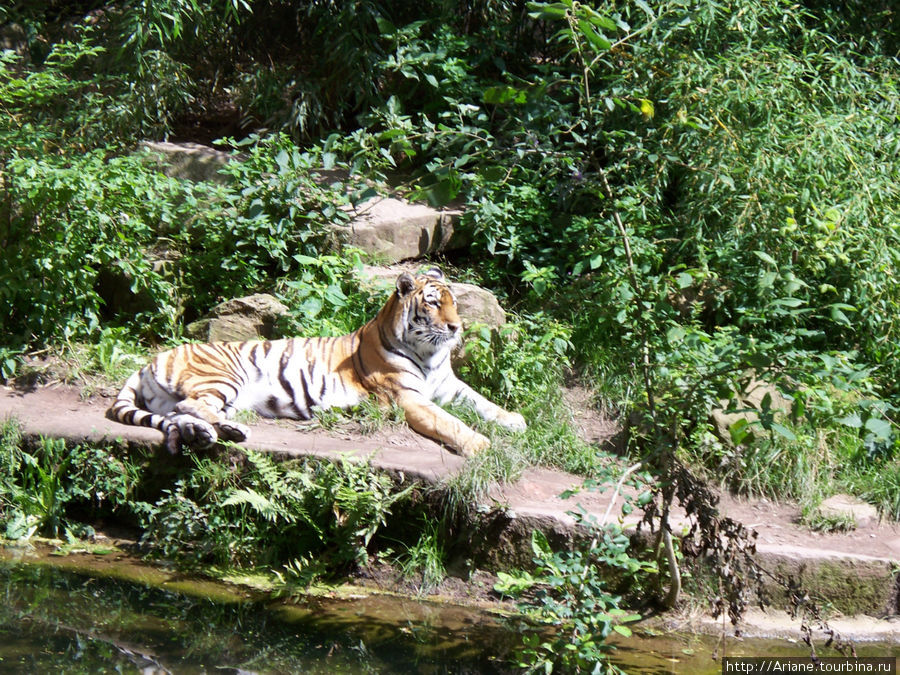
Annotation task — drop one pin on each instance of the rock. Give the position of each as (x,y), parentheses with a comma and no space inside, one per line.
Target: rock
(476,304)
(190,161)
(391,230)
(847,506)
(731,427)
(388,229)
(13,37)
(249,318)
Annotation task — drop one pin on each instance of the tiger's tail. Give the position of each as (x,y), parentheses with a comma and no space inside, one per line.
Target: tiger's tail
(125,409)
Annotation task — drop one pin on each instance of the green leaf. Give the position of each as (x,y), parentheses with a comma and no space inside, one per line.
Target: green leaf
(254,500)
(600,43)
(853,421)
(768,279)
(540,545)
(362,196)
(622,630)
(305,259)
(598,19)
(788,302)
(765,257)
(543,10)
(441,193)
(675,334)
(501,95)
(644,6)
(739,431)
(879,428)
(782,430)
(385,27)
(838,316)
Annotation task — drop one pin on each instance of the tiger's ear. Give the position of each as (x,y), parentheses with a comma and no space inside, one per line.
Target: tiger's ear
(435,273)
(405,284)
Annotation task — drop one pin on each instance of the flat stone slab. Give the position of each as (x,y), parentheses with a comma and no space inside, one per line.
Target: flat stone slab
(776,623)
(59,412)
(190,161)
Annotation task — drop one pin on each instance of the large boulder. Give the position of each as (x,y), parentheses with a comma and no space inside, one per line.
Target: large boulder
(391,230)
(250,318)
(850,508)
(476,304)
(387,229)
(730,427)
(190,161)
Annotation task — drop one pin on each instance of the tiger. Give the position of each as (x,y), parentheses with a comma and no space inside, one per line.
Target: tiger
(192,392)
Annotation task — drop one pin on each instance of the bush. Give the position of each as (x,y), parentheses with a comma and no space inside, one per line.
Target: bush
(82,228)
(317,516)
(49,480)
(86,227)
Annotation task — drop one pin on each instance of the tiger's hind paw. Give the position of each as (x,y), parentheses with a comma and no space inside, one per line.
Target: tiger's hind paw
(233,431)
(194,431)
(173,440)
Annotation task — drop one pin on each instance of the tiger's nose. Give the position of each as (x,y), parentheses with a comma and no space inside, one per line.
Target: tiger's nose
(453,327)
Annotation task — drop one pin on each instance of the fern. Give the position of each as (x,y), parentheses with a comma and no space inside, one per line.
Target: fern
(266,469)
(268,513)
(260,504)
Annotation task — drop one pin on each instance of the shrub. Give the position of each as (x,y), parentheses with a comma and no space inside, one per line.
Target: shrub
(271,514)
(50,479)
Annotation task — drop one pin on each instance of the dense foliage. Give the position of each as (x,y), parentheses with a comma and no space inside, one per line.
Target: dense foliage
(682,199)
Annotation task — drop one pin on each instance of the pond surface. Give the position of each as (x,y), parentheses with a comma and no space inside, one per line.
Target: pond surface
(57,620)
(99,614)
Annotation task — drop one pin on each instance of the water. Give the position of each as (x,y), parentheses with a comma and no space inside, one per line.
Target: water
(113,614)
(76,621)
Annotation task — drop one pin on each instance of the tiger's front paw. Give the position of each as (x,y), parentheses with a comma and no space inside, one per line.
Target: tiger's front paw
(512,421)
(475,443)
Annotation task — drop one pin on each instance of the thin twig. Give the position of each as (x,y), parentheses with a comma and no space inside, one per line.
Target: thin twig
(631,469)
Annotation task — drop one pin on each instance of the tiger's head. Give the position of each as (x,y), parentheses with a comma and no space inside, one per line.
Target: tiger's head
(428,312)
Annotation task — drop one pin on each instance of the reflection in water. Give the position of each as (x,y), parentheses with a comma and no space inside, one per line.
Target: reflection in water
(104,615)
(59,621)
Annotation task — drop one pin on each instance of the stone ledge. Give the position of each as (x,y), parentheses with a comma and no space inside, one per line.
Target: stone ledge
(390,229)
(863,581)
